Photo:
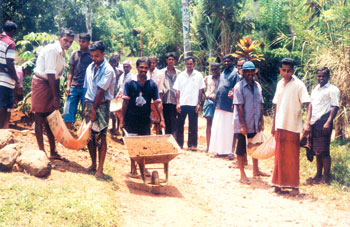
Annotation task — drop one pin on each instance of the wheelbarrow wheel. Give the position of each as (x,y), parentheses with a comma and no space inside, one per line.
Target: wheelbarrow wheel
(155,178)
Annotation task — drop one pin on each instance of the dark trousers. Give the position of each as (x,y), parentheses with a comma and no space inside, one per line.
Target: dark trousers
(170,118)
(192,128)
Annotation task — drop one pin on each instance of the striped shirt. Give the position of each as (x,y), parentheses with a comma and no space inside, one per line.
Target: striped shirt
(7,52)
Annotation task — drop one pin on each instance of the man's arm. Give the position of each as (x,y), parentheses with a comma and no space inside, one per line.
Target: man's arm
(261,121)
(274,120)
(198,106)
(306,129)
(327,125)
(56,96)
(124,108)
(241,119)
(11,69)
(69,80)
(98,100)
(178,108)
(159,108)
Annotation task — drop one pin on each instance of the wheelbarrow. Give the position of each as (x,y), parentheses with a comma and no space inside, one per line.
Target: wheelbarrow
(152,149)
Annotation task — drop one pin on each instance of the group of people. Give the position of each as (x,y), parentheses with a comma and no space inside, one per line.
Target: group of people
(233,104)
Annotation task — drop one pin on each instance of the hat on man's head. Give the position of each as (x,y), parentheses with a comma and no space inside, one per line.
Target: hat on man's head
(249,65)
(127,62)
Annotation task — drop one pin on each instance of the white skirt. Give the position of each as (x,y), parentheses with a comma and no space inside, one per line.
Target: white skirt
(221,138)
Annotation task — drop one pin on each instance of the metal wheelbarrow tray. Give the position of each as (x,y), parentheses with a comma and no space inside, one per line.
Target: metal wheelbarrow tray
(153,149)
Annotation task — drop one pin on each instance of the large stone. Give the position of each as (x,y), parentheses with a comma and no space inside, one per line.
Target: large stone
(6,137)
(8,156)
(35,162)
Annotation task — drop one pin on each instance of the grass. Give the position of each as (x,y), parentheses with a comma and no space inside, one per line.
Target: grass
(70,199)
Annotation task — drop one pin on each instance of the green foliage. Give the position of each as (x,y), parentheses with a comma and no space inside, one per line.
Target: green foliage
(341,163)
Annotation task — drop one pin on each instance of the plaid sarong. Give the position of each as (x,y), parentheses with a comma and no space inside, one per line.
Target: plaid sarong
(102,116)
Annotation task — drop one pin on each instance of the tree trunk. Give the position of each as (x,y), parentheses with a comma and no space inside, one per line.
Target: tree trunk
(186,28)
(88,17)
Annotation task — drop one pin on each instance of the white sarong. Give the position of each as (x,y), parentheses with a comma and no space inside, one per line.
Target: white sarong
(221,138)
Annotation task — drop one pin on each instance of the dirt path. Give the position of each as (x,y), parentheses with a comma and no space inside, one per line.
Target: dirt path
(204,191)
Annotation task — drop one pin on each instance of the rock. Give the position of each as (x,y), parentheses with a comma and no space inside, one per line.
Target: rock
(8,156)
(6,137)
(35,162)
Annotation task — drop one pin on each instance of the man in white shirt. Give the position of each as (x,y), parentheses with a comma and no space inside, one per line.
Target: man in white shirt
(126,76)
(324,106)
(189,86)
(45,86)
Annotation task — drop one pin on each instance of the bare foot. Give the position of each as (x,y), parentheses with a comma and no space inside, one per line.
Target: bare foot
(277,190)
(55,156)
(99,174)
(91,168)
(294,192)
(259,173)
(244,180)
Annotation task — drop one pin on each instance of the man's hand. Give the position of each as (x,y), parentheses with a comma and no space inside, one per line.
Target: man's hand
(178,108)
(306,128)
(162,123)
(261,126)
(230,94)
(67,91)
(93,115)
(273,131)
(327,128)
(56,102)
(197,108)
(121,125)
(244,129)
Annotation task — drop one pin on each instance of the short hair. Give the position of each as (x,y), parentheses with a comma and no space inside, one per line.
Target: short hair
(241,59)
(287,61)
(116,54)
(327,71)
(141,60)
(114,58)
(229,56)
(9,26)
(98,45)
(215,64)
(85,36)
(152,57)
(127,62)
(171,54)
(66,32)
(189,58)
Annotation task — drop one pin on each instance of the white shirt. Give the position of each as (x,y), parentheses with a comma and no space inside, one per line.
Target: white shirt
(155,76)
(322,100)
(50,61)
(289,99)
(122,80)
(189,87)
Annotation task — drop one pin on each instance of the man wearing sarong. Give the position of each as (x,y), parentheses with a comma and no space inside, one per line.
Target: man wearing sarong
(290,95)
(248,117)
(137,98)
(8,76)
(167,94)
(211,84)
(99,84)
(153,73)
(324,107)
(45,87)
(189,86)
(221,139)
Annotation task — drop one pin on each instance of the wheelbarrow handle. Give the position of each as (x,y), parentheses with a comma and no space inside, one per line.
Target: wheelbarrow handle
(163,131)
(125,132)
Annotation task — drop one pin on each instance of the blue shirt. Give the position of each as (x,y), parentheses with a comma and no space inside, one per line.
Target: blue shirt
(104,78)
(140,97)
(228,78)
(252,100)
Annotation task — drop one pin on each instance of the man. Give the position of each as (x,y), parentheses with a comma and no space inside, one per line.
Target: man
(324,106)
(189,86)
(211,84)
(126,76)
(8,76)
(75,92)
(136,110)
(114,62)
(290,94)
(240,63)
(221,139)
(99,82)
(22,71)
(153,73)
(167,94)
(248,116)
(45,87)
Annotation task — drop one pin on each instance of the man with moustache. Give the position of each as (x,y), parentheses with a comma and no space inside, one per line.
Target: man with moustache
(136,111)
(45,87)
(99,84)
